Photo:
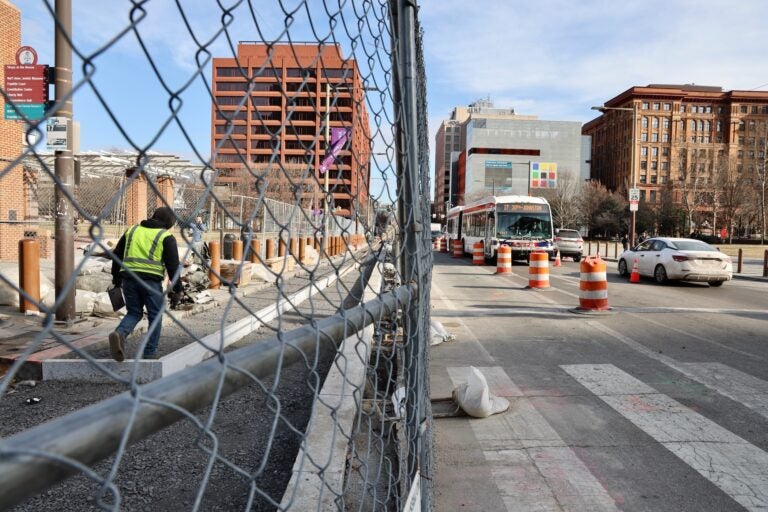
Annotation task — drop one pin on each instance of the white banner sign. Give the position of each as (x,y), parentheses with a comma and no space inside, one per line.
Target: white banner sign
(57,135)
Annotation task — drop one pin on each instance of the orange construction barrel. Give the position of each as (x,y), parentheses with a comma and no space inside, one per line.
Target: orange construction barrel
(478,254)
(593,285)
(504,260)
(538,270)
(458,249)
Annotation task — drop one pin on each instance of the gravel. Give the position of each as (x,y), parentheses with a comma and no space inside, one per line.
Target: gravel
(167,470)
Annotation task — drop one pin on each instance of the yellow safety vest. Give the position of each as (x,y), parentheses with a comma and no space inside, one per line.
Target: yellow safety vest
(144,250)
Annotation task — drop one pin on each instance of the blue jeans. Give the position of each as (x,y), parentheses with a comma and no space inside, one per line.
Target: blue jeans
(137,295)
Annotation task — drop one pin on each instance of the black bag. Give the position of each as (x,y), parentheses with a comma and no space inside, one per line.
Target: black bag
(116,298)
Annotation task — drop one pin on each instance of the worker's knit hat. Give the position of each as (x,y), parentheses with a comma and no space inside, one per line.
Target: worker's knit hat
(165,216)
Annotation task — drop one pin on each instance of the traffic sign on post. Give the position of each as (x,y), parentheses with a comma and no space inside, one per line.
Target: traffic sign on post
(634,199)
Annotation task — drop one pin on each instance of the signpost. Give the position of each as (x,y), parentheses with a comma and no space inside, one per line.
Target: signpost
(26,84)
(634,199)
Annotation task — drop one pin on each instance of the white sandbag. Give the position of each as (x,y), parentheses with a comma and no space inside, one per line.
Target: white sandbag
(97,282)
(102,307)
(475,398)
(261,273)
(94,265)
(9,293)
(311,257)
(84,301)
(439,334)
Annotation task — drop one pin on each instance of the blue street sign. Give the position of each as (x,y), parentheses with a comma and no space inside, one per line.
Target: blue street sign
(33,111)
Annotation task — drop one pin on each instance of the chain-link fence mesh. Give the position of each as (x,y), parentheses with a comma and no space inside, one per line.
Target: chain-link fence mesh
(291,369)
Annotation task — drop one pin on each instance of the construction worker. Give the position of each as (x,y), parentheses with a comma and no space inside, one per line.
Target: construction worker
(142,257)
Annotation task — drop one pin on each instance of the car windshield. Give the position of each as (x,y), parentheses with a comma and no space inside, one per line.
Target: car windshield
(568,233)
(691,245)
(528,225)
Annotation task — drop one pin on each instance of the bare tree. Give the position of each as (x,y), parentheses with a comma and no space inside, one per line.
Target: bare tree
(760,149)
(564,200)
(734,192)
(590,202)
(692,183)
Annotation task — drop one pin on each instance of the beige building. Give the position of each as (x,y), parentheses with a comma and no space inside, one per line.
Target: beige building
(677,129)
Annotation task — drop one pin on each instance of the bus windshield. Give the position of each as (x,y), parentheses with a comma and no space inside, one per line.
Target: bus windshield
(526,225)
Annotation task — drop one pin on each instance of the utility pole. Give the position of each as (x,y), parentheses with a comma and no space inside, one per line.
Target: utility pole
(64,167)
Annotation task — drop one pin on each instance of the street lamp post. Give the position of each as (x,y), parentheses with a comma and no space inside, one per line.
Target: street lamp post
(631,160)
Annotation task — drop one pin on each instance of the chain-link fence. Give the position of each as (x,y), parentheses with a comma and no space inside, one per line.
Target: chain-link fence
(282,361)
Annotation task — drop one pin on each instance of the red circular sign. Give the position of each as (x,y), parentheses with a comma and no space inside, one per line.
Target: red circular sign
(26,56)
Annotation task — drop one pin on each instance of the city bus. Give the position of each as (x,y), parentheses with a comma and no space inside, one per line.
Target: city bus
(521,222)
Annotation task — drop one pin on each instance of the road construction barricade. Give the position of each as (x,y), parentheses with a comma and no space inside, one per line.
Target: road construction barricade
(478,254)
(504,260)
(538,270)
(458,249)
(593,285)
(443,244)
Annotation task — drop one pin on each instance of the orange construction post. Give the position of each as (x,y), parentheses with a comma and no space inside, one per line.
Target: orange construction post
(538,270)
(504,260)
(302,249)
(593,285)
(478,254)
(237,250)
(280,247)
(270,248)
(215,271)
(255,250)
(29,275)
(294,247)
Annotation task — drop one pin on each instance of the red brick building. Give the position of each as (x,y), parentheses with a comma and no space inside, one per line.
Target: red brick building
(677,126)
(12,201)
(280,129)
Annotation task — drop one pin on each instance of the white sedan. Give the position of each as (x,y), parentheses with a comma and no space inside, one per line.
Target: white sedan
(683,259)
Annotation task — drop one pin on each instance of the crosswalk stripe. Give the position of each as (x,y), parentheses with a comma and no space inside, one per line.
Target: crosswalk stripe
(737,467)
(532,466)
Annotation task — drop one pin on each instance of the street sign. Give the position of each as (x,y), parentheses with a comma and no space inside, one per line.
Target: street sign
(32,111)
(633,206)
(634,194)
(26,55)
(26,84)
(56,134)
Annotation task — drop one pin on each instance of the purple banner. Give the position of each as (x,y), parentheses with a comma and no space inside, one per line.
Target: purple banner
(339,137)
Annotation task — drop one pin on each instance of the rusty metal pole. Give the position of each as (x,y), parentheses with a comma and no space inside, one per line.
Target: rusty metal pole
(740,261)
(29,275)
(213,274)
(255,250)
(270,248)
(64,166)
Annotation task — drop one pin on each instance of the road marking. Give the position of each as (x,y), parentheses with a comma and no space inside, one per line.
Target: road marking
(734,384)
(533,468)
(737,467)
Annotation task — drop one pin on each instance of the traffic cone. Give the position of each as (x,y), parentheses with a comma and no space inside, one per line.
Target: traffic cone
(557,259)
(635,276)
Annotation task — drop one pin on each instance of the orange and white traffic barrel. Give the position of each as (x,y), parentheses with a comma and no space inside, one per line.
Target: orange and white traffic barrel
(458,249)
(478,254)
(443,244)
(504,260)
(538,270)
(593,285)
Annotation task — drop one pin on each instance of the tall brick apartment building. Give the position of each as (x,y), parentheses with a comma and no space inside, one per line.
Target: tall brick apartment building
(280,131)
(676,126)
(11,182)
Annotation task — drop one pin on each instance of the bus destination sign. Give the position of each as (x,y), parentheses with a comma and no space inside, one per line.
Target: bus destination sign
(521,208)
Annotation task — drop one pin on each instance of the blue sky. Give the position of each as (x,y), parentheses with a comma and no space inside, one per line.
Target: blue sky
(550,58)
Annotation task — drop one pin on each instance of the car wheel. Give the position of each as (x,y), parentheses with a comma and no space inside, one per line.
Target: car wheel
(716,283)
(623,268)
(577,258)
(660,274)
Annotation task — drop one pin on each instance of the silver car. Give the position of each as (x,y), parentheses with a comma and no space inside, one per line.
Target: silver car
(569,243)
(683,259)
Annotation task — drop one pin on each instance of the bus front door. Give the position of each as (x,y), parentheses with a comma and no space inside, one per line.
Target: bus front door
(490,229)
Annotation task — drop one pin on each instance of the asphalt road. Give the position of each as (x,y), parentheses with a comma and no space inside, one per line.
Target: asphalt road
(659,405)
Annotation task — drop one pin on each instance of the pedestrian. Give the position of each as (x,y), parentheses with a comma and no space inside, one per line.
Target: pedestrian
(625,242)
(142,257)
(196,230)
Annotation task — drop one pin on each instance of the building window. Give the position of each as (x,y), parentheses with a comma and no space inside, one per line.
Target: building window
(752,154)
(752,125)
(656,106)
(682,108)
(740,154)
(653,179)
(706,139)
(664,137)
(644,151)
(666,123)
(652,196)
(720,110)
(741,126)
(655,122)
(664,166)
(645,105)
(654,151)
(754,109)
(699,139)
(643,165)
(644,137)
(231,72)
(654,165)
(654,137)
(664,151)
(645,122)
(743,109)
(667,106)
(741,140)
(693,125)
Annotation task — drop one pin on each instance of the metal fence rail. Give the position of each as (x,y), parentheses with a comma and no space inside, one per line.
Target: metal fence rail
(319,159)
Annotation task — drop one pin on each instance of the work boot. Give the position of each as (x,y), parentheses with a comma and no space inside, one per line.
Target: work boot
(149,356)
(117,346)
